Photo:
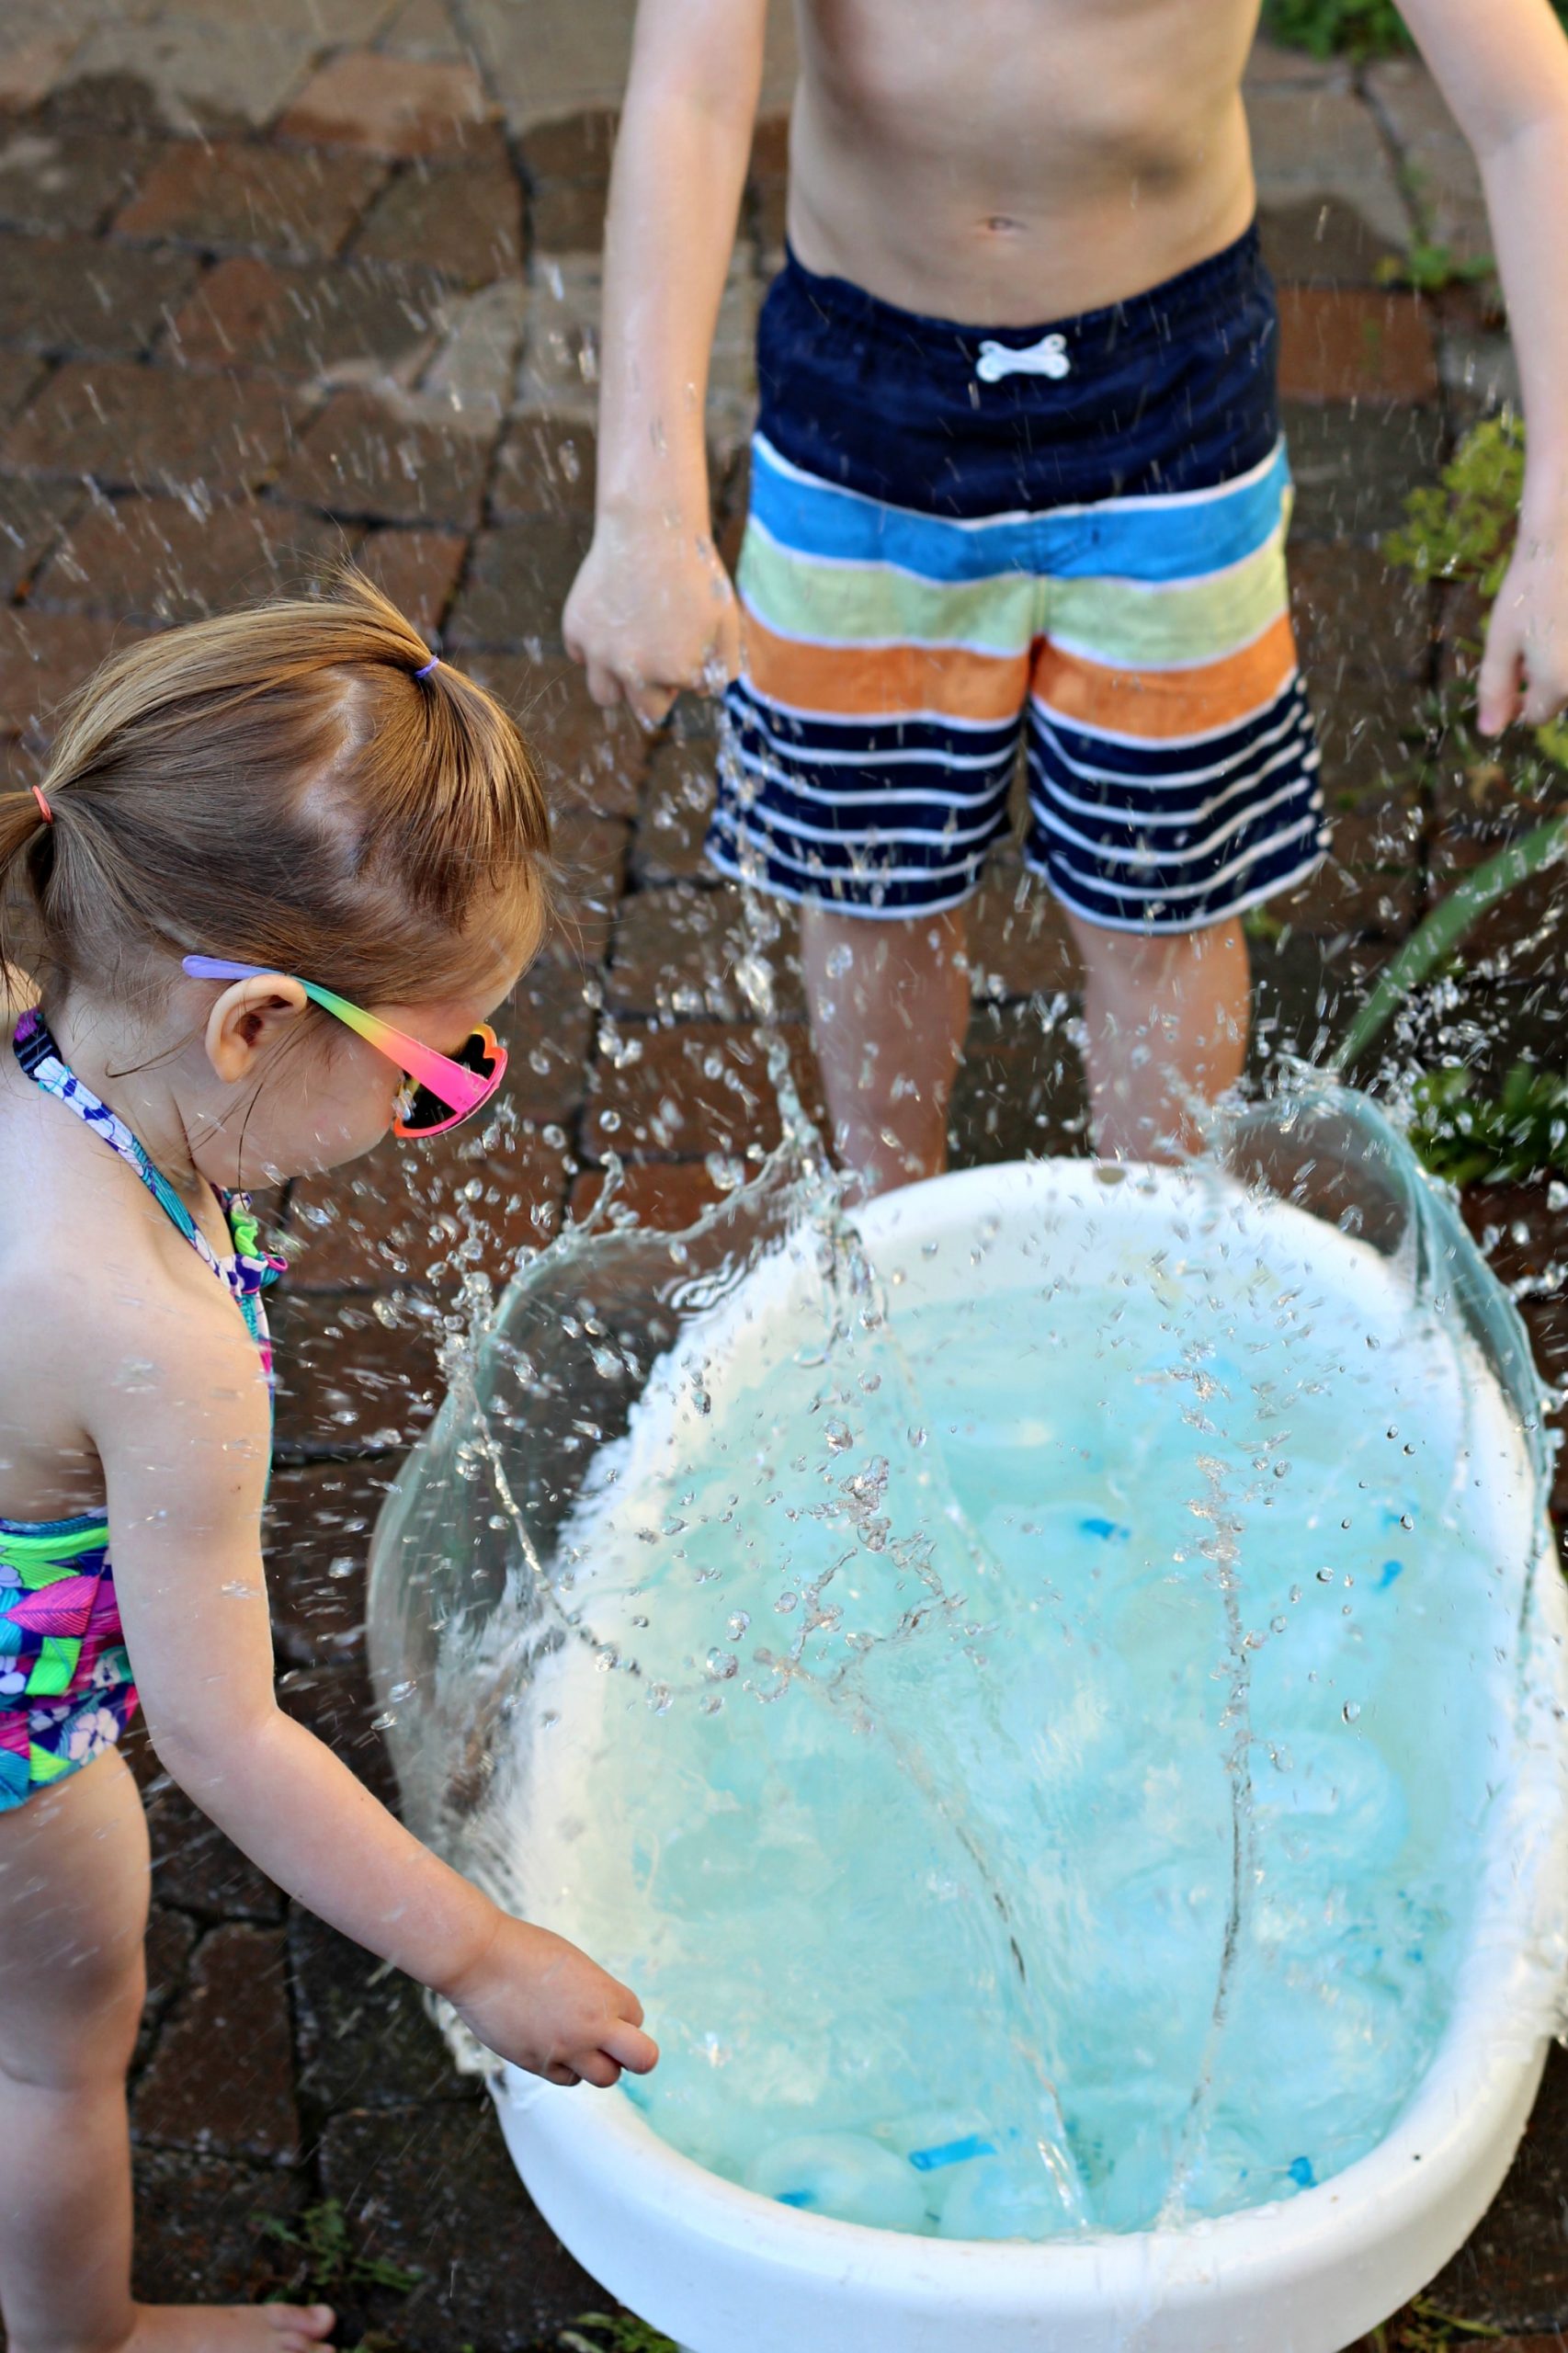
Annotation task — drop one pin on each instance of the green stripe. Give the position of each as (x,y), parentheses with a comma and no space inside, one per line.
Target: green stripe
(1128,627)
(1120,622)
(852,604)
(46,1764)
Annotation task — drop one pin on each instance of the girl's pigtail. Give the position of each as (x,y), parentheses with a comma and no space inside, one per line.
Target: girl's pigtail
(23,825)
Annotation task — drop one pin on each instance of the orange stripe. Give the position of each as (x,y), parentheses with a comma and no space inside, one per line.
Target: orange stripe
(1167,702)
(884,682)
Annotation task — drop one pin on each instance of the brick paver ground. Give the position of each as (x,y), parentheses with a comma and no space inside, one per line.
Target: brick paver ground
(281,282)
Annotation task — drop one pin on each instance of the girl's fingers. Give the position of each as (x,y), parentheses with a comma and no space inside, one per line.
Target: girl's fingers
(635,2050)
(558,2071)
(600,2071)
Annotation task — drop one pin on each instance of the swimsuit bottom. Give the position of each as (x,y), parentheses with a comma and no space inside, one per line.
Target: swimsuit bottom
(1070,537)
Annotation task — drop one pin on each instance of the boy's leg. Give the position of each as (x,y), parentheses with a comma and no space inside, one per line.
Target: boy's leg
(890,1008)
(74,1885)
(1166,1017)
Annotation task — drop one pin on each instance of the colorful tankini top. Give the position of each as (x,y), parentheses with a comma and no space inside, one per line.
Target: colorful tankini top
(66,1688)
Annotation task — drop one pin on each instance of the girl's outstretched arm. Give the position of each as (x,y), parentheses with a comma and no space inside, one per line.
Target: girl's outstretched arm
(180,1422)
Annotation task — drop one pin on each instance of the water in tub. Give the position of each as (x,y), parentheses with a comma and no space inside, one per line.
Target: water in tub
(1029,1755)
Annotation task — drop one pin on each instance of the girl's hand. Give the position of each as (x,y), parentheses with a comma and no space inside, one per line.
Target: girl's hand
(652,611)
(533,1998)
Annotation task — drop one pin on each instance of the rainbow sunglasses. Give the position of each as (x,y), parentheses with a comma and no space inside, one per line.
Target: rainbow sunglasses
(443,1090)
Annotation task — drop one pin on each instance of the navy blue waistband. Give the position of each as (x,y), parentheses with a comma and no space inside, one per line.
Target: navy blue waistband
(1190,299)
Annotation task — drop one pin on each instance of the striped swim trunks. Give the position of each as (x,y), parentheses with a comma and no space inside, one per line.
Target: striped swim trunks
(961,539)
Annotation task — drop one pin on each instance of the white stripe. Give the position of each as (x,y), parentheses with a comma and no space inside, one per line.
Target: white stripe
(1057,795)
(865,837)
(1295,719)
(891,719)
(1158,742)
(1110,854)
(1309,823)
(835,796)
(1154,502)
(940,755)
(970,860)
(1275,887)
(909,911)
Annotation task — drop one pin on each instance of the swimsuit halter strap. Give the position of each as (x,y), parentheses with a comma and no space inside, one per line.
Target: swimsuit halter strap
(248,1269)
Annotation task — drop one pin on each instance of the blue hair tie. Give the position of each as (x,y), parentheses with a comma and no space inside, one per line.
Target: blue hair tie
(433,664)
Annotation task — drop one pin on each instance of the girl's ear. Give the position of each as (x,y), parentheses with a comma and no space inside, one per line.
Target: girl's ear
(251,1018)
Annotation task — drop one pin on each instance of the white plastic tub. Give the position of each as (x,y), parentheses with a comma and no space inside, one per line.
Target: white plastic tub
(723,2271)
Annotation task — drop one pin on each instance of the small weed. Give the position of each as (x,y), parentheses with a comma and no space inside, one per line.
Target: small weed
(613,2333)
(331,2261)
(1462,526)
(1521,1135)
(1360,29)
(1424,2329)
(1331,27)
(1428,265)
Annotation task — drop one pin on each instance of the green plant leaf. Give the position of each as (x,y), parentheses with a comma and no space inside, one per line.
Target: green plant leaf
(1436,939)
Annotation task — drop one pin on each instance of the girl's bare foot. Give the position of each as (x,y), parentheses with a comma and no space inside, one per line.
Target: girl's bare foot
(230,2328)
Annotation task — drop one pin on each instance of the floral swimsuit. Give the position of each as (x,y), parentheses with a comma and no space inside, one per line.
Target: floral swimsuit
(66,1688)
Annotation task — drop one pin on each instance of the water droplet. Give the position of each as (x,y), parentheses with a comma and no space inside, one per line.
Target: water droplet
(722,1665)
(837,1435)
(1350,1710)
(1326,1576)
(739,1620)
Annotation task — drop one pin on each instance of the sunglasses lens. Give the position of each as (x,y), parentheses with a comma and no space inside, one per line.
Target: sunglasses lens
(423,1113)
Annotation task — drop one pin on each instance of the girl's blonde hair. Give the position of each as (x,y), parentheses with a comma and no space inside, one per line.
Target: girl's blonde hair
(276,787)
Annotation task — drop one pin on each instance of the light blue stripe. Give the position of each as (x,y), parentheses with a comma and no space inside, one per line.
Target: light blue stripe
(1123,539)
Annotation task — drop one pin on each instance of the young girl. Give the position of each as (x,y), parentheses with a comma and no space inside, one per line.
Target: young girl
(251,830)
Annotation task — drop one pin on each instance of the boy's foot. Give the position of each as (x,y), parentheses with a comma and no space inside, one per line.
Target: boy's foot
(230,2328)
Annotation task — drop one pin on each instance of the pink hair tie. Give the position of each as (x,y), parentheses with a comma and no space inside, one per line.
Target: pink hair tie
(46,812)
(433,664)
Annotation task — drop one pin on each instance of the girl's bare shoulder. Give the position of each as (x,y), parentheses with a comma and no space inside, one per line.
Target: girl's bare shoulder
(98,1291)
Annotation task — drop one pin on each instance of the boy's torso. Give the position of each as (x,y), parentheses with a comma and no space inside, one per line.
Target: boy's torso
(1009,162)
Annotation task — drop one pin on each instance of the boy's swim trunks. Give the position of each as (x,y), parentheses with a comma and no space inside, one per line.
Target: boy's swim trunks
(961,536)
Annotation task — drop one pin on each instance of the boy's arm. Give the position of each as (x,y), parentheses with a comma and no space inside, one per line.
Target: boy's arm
(1504,69)
(183,1438)
(651,610)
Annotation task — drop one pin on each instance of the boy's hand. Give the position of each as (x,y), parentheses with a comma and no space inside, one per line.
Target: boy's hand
(1524,674)
(652,611)
(537,2001)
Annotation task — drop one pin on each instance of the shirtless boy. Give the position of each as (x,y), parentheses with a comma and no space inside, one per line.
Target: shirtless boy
(1017,471)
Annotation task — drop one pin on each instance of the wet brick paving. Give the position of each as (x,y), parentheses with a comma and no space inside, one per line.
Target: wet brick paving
(284,281)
